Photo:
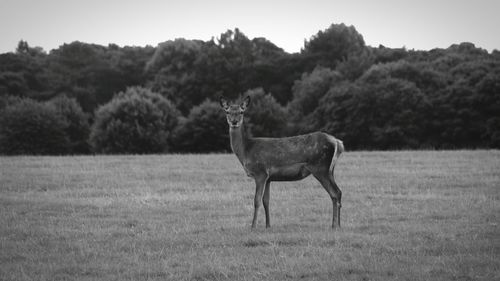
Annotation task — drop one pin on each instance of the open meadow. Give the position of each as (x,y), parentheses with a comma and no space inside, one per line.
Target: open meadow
(406,215)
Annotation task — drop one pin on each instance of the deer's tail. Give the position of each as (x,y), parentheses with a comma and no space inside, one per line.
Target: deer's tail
(339,148)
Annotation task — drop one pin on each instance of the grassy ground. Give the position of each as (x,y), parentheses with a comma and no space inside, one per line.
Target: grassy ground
(406,216)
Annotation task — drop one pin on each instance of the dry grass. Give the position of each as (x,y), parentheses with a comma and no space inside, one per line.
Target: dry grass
(406,216)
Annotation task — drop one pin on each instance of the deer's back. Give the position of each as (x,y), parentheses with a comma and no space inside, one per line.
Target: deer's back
(309,149)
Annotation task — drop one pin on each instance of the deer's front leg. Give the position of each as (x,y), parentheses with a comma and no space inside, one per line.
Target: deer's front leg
(260,183)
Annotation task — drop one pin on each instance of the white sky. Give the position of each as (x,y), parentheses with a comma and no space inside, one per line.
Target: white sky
(423,24)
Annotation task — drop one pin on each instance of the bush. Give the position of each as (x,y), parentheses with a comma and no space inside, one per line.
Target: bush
(388,114)
(30,127)
(307,93)
(204,130)
(78,128)
(310,89)
(134,121)
(265,116)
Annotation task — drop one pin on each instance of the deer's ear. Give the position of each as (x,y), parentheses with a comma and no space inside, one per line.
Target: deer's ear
(245,103)
(223,103)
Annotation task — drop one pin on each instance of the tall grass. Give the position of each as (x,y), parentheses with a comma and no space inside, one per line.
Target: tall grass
(426,215)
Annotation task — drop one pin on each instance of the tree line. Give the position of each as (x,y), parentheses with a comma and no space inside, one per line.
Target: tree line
(85,98)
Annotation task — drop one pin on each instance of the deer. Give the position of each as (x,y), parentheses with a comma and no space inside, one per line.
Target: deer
(283,159)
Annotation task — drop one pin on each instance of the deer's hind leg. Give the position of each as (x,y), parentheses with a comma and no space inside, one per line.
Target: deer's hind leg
(333,190)
(265,201)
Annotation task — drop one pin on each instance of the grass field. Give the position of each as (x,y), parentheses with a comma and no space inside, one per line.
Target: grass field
(422,215)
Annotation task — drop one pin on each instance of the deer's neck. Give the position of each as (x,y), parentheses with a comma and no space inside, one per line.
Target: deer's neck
(238,142)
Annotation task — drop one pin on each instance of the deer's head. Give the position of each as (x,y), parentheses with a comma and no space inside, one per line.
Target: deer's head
(234,112)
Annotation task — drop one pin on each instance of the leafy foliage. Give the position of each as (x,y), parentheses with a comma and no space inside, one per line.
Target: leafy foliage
(204,130)
(371,97)
(30,127)
(78,128)
(265,116)
(135,121)
(337,43)
(385,114)
(307,93)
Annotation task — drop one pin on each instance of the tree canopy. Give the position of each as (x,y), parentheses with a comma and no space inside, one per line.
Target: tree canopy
(371,97)
(134,121)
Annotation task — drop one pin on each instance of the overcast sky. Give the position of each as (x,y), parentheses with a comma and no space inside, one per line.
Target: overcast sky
(423,24)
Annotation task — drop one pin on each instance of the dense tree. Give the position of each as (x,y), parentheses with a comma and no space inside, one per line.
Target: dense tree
(31,127)
(277,75)
(488,103)
(376,98)
(383,54)
(174,72)
(204,130)
(77,123)
(355,65)
(92,73)
(265,116)
(422,74)
(191,71)
(333,45)
(22,73)
(468,108)
(386,114)
(13,83)
(134,121)
(307,93)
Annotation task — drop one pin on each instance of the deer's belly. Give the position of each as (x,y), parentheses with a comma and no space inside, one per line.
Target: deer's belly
(289,173)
